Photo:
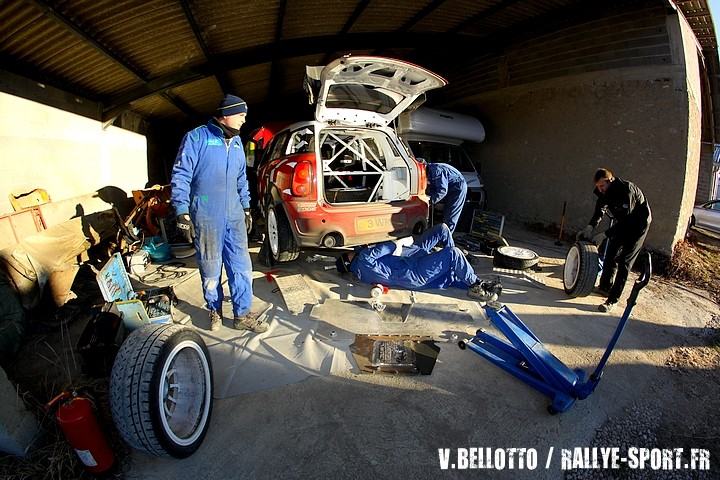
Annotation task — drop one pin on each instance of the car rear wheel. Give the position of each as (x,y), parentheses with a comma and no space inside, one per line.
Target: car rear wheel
(581,269)
(281,241)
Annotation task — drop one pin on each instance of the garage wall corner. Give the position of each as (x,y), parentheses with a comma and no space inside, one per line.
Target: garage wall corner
(66,154)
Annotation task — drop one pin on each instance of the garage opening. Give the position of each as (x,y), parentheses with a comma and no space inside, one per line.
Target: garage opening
(362,166)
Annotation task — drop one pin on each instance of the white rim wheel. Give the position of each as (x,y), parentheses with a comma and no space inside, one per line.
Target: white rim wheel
(184,397)
(517,252)
(272,227)
(572,267)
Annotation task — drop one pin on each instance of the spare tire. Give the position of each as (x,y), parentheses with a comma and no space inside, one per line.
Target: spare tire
(581,269)
(515,258)
(161,390)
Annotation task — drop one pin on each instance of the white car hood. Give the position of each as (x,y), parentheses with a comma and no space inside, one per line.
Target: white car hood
(368,90)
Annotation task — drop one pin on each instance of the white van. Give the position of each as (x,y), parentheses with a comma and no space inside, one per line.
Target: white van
(438,136)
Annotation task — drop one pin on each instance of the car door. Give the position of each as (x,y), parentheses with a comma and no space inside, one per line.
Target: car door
(709,215)
(269,162)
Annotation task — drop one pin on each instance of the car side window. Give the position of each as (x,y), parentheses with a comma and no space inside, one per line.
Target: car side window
(302,141)
(278,147)
(714,206)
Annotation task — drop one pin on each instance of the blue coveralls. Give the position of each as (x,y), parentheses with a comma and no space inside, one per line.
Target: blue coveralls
(446,182)
(416,268)
(209,183)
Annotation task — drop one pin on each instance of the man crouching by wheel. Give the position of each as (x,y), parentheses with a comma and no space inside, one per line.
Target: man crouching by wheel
(629,208)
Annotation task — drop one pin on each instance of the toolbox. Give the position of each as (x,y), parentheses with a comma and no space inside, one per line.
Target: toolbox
(136,308)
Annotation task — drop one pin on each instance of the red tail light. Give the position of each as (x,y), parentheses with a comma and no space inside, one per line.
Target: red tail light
(302,179)
(422,184)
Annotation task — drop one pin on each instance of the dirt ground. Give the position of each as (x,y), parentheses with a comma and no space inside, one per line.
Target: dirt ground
(679,408)
(696,262)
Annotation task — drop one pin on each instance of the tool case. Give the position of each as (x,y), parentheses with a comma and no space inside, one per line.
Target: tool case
(136,308)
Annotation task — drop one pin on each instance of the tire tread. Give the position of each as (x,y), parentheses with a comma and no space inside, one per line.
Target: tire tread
(287,246)
(587,273)
(501,260)
(131,382)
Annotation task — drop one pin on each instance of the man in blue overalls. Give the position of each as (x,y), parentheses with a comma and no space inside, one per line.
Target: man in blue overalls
(447,183)
(414,265)
(212,201)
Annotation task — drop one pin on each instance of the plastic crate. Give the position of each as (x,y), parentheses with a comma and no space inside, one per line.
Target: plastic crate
(136,309)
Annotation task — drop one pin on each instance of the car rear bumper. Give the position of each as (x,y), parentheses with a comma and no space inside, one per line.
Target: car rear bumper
(354,224)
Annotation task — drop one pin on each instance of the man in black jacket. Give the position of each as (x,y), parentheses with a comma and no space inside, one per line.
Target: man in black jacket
(626,204)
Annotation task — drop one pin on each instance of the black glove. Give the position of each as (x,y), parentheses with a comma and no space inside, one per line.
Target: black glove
(248,220)
(186,226)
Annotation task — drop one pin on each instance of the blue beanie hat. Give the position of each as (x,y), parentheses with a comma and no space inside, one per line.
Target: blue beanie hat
(231,105)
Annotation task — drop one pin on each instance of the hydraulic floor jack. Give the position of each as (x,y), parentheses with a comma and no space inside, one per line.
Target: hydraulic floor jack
(527,358)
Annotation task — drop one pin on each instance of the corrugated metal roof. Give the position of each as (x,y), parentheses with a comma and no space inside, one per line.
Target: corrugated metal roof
(251,83)
(385,16)
(29,37)
(156,107)
(231,25)
(294,72)
(324,17)
(202,96)
(450,14)
(697,13)
(169,59)
(154,36)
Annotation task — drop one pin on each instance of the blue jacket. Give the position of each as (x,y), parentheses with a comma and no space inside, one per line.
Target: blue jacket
(209,176)
(437,270)
(442,178)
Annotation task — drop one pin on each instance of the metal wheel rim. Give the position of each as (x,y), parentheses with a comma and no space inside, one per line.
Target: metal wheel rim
(571,271)
(184,393)
(273,236)
(517,252)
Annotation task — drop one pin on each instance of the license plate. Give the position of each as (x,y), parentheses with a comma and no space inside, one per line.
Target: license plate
(373,224)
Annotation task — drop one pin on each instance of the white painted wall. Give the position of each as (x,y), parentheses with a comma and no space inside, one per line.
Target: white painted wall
(66,154)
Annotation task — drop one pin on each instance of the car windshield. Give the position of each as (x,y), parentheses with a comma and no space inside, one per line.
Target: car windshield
(360,97)
(434,152)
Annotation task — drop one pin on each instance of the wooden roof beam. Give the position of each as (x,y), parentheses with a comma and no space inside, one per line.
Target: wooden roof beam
(357,12)
(221,77)
(286,49)
(87,37)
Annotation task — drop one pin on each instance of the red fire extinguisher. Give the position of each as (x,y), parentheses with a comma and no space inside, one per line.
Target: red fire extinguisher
(75,416)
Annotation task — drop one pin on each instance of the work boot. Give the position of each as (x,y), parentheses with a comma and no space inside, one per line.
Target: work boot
(215,320)
(607,306)
(485,291)
(250,321)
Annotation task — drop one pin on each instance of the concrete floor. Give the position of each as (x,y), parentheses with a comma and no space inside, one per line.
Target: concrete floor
(334,423)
